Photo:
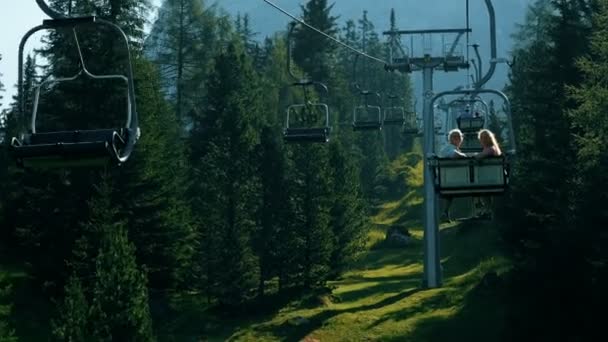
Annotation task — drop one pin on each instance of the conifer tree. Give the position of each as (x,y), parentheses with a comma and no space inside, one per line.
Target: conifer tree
(310,51)
(119,305)
(348,215)
(589,187)
(271,237)
(72,323)
(539,213)
(182,43)
(310,185)
(225,183)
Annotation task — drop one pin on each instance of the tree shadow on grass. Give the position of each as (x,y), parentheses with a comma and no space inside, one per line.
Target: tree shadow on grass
(480,317)
(296,333)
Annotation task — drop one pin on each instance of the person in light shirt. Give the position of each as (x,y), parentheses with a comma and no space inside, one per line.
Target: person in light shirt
(452,150)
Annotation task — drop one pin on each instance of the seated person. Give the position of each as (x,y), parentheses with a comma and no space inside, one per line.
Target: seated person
(452,150)
(490,149)
(489,144)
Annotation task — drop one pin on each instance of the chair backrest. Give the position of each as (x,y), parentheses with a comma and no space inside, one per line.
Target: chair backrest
(471,123)
(469,176)
(297,113)
(367,113)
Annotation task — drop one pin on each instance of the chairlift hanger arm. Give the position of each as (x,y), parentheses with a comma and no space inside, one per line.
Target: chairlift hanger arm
(48,11)
(63,22)
(493,53)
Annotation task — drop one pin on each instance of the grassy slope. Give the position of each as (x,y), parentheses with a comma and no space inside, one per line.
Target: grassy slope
(381,298)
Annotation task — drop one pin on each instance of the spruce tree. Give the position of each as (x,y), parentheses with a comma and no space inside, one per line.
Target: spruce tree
(119,306)
(311,52)
(72,323)
(225,184)
(310,186)
(273,216)
(349,221)
(589,188)
(541,234)
(182,43)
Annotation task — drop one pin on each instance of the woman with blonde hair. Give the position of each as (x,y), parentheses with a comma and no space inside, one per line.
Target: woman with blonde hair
(489,144)
(490,149)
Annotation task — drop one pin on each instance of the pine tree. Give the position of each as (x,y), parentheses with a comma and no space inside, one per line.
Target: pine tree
(348,215)
(270,237)
(119,308)
(225,184)
(589,188)
(310,51)
(152,190)
(310,186)
(182,43)
(72,321)
(541,234)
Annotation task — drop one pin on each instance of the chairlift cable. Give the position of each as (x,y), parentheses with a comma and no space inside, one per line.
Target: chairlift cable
(357,51)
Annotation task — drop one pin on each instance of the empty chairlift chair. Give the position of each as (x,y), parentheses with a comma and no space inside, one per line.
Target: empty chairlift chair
(63,149)
(470,116)
(311,118)
(394,115)
(367,117)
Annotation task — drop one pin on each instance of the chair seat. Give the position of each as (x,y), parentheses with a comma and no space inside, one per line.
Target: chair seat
(367,125)
(394,122)
(320,135)
(67,148)
(463,177)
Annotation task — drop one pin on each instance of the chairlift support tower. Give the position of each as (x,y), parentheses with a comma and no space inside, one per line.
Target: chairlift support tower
(428,64)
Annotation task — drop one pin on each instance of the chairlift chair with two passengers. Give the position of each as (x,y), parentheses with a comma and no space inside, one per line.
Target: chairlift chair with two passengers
(465,177)
(65,149)
(307,121)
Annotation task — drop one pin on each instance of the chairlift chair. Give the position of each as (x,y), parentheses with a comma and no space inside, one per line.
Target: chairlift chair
(312,130)
(394,115)
(465,177)
(66,149)
(367,117)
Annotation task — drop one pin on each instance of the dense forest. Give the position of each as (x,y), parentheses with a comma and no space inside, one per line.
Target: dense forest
(215,222)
